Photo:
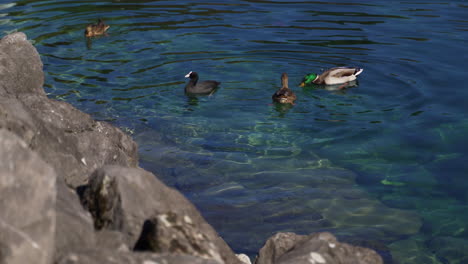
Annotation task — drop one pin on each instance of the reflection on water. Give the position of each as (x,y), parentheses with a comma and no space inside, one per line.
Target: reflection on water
(282,109)
(335,88)
(381,161)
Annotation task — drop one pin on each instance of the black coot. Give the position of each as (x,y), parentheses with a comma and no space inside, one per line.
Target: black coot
(195,87)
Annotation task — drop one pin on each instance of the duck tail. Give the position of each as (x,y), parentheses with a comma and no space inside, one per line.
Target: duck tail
(358,71)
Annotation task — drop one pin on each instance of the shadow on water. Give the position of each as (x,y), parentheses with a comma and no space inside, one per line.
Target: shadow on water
(88,43)
(282,109)
(335,89)
(192,100)
(89,40)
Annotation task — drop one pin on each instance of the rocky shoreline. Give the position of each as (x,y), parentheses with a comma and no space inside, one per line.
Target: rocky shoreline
(71,190)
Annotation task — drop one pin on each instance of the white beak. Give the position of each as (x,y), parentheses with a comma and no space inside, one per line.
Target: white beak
(188,74)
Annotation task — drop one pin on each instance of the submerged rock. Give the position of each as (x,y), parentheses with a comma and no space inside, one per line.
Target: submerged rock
(451,250)
(413,250)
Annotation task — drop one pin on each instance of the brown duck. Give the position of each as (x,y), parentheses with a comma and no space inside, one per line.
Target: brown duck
(284,95)
(96,29)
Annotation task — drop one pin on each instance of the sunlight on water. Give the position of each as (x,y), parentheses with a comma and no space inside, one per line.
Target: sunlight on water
(381,163)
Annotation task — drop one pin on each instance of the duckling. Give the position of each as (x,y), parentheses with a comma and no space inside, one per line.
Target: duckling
(96,29)
(332,76)
(195,87)
(284,95)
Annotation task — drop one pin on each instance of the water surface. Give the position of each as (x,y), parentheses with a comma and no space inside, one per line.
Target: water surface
(381,164)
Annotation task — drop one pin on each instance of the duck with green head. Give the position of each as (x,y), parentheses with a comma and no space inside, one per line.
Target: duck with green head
(332,76)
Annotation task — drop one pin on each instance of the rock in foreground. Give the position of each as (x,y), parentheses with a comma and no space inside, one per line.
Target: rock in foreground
(27,202)
(285,248)
(49,149)
(150,215)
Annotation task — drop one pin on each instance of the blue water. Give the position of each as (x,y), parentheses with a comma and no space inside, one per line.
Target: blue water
(382,163)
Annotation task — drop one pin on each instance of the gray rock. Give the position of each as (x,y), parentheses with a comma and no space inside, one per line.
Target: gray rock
(112,240)
(83,143)
(66,138)
(278,245)
(27,202)
(20,67)
(54,147)
(168,233)
(74,227)
(112,257)
(124,199)
(284,248)
(244,258)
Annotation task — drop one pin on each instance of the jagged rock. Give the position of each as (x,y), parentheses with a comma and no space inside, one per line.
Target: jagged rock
(27,202)
(244,258)
(69,140)
(277,245)
(55,148)
(284,248)
(20,67)
(169,233)
(74,227)
(112,257)
(124,199)
(90,143)
(112,240)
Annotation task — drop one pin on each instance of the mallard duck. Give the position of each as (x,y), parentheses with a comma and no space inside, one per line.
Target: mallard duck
(284,95)
(332,76)
(195,87)
(96,29)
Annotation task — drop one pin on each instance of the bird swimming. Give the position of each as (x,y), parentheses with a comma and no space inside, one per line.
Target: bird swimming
(284,95)
(195,87)
(332,76)
(92,30)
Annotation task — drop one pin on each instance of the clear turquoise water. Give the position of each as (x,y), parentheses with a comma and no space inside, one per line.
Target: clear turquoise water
(382,164)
